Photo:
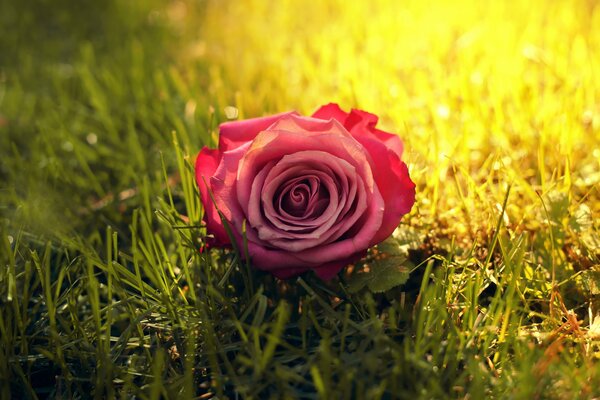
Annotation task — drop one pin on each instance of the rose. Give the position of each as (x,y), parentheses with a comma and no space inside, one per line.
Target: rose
(304,193)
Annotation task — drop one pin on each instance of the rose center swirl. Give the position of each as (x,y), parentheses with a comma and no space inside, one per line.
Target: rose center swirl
(302,197)
(306,199)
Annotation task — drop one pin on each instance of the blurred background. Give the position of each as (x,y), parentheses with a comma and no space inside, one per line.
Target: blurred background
(104,105)
(91,90)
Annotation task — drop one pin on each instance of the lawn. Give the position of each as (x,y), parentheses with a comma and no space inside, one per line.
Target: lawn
(494,289)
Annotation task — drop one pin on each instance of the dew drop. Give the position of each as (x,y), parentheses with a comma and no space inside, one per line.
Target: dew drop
(443,111)
(92,138)
(67,146)
(231,112)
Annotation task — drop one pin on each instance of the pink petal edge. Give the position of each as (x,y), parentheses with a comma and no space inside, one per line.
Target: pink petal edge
(206,164)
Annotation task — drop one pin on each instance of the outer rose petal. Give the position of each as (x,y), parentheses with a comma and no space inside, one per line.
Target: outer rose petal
(390,173)
(224,188)
(236,133)
(360,123)
(328,271)
(397,190)
(363,123)
(206,165)
(330,111)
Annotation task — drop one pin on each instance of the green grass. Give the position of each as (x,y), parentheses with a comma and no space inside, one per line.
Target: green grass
(104,293)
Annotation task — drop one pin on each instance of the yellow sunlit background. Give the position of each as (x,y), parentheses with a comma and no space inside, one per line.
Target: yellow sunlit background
(483,93)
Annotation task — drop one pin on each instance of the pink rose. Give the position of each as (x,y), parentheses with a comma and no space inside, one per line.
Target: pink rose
(315,192)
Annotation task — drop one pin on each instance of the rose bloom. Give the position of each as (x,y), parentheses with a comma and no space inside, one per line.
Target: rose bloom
(311,193)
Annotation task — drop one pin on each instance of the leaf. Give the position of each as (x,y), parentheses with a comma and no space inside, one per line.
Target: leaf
(582,218)
(591,241)
(404,238)
(382,275)
(590,280)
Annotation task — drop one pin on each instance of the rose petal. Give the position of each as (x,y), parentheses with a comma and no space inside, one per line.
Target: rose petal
(331,170)
(330,111)
(334,221)
(352,211)
(274,144)
(255,209)
(270,259)
(391,177)
(361,123)
(224,187)
(307,125)
(302,199)
(390,174)
(233,134)
(279,229)
(206,165)
(329,270)
(357,242)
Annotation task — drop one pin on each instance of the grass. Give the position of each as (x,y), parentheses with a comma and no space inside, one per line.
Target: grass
(103,292)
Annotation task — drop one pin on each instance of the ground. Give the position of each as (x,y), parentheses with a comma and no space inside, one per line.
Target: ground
(104,291)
